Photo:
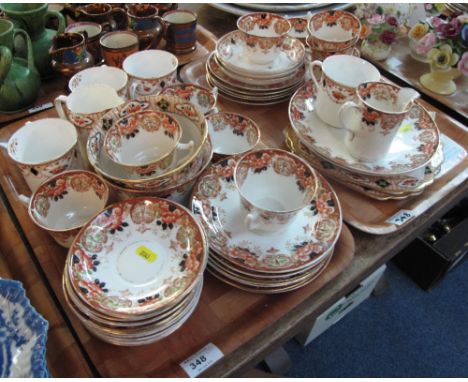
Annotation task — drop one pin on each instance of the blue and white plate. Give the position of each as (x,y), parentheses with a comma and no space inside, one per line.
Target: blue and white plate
(23,334)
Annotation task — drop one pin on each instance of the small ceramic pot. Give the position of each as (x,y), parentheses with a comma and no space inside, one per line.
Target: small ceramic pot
(150,71)
(232,134)
(375,119)
(341,75)
(146,142)
(333,30)
(180,30)
(92,36)
(43,148)
(203,98)
(69,54)
(143,20)
(274,185)
(117,46)
(375,50)
(64,203)
(84,107)
(263,33)
(108,75)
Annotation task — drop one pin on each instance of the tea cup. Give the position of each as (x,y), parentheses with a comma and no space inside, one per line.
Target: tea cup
(117,46)
(93,33)
(341,74)
(149,71)
(85,106)
(108,75)
(274,185)
(143,19)
(263,34)
(145,142)
(374,120)
(317,54)
(64,203)
(180,27)
(333,30)
(43,148)
(202,98)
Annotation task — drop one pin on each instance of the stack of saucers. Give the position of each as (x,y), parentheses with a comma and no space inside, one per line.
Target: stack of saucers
(257,64)
(134,273)
(411,164)
(176,174)
(251,258)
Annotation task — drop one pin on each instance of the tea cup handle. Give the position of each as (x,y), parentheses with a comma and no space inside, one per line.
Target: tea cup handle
(133,90)
(58,103)
(344,116)
(252,221)
(311,67)
(356,52)
(24,200)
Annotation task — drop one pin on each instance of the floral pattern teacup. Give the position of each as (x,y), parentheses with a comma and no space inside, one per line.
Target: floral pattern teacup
(263,34)
(274,185)
(65,202)
(380,110)
(150,71)
(203,98)
(341,74)
(43,148)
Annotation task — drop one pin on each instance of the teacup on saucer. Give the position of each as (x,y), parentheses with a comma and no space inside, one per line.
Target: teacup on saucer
(232,134)
(274,185)
(203,98)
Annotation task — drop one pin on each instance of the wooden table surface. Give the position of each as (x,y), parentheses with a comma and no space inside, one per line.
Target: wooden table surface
(26,255)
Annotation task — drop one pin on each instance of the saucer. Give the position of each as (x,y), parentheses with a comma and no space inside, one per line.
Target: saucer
(214,68)
(231,51)
(414,145)
(231,133)
(304,242)
(137,256)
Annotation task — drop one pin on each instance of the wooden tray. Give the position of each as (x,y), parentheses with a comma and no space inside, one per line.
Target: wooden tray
(50,89)
(225,316)
(406,68)
(364,213)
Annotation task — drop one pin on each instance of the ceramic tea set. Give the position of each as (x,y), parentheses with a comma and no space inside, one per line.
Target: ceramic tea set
(363,132)
(258,64)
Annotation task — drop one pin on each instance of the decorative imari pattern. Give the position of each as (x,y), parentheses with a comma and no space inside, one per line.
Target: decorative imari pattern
(299,25)
(409,182)
(263,21)
(153,86)
(237,124)
(201,97)
(177,107)
(23,334)
(347,24)
(93,262)
(62,185)
(216,203)
(420,136)
(81,120)
(338,93)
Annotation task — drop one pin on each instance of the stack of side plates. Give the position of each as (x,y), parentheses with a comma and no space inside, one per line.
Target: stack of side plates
(240,80)
(268,262)
(134,273)
(412,163)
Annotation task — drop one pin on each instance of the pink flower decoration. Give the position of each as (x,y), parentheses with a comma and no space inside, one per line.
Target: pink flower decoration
(426,43)
(436,21)
(388,37)
(392,21)
(463,64)
(376,19)
(450,29)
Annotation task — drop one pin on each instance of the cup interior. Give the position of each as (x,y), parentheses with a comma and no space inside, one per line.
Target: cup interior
(119,40)
(142,10)
(349,70)
(264,24)
(275,180)
(380,96)
(109,75)
(68,200)
(96,98)
(150,64)
(142,138)
(179,17)
(92,29)
(42,141)
(334,26)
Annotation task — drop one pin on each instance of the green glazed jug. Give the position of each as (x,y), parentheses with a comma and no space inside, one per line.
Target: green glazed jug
(32,17)
(19,79)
